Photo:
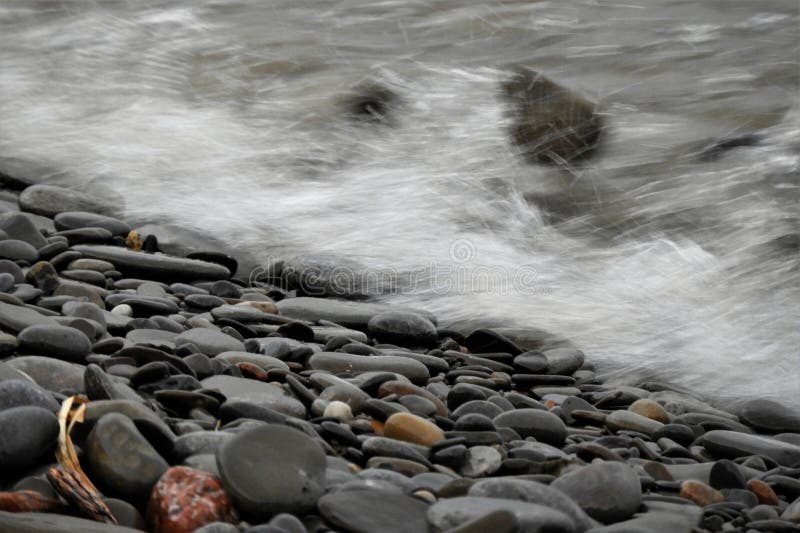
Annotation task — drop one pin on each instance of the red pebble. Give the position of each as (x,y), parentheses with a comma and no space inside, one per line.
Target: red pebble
(252,371)
(185,499)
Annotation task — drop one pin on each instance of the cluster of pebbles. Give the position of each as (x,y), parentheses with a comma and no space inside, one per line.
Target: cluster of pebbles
(219,406)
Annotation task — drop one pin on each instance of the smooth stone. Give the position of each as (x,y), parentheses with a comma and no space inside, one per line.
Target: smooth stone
(501,521)
(122,460)
(725,474)
(732,444)
(366,510)
(402,328)
(49,200)
(481,407)
(607,491)
(152,337)
(264,361)
(412,428)
(337,409)
(655,522)
(200,442)
(406,467)
(272,469)
(15,250)
(56,341)
(256,392)
(146,420)
(20,226)
(69,220)
(387,447)
(699,493)
(490,341)
(533,492)
(481,461)
(28,434)
(51,374)
(154,266)
(770,416)
(355,315)
(209,342)
(240,313)
(17,393)
(6,281)
(205,302)
(533,362)
(84,310)
(14,318)
(450,513)
(541,425)
(628,420)
(650,409)
(55,523)
(338,362)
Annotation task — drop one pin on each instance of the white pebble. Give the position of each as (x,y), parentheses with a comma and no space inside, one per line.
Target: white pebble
(340,410)
(123,309)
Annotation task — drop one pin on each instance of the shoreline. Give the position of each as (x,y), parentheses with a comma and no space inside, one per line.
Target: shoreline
(259,406)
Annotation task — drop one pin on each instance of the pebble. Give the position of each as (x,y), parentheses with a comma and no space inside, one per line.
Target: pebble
(412,428)
(55,341)
(541,425)
(255,392)
(185,499)
(51,374)
(763,492)
(15,318)
(650,409)
(28,434)
(769,416)
(631,421)
(733,444)
(154,266)
(481,461)
(402,328)
(121,459)
(17,392)
(700,493)
(209,342)
(52,523)
(450,513)
(70,220)
(607,491)
(272,469)
(357,364)
(49,200)
(15,250)
(369,510)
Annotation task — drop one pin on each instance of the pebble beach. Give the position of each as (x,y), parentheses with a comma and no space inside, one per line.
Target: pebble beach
(218,403)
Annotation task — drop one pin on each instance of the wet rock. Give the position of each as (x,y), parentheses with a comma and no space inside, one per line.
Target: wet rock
(15,250)
(209,342)
(726,474)
(732,444)
(51,374)
(28,433)
(338,362)
(20,226)
(154,266)
(70,220)
(366,510)
(412,428)
(49,200)
(481,461)
(655,522)
(450,513)
(650,409)
(541,425)
(628,420)
(272,469)
(55,523)
(403,329)
(607,491)
(15,318)
(770,416)
(551,124)
(355,315)
(257,393)
(121,459)
(55,341)
(17,393)
(763,492)
(185,499)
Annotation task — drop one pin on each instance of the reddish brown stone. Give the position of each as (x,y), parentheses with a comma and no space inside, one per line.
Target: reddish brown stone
(700,493)
(185,499)
(404,389)
(264,307)
(252,371)
(763,492)
(650,409)
(29,501)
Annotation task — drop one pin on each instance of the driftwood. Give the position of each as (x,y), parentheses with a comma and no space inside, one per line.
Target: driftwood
(68,479)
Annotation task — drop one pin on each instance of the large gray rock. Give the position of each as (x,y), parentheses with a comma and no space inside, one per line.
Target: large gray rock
(51,374)
(354,315)
(402,328)
(18,392)
(49,200)
(607,491)
(15,318)
(732,444)
(366,510)
(28,433)
(55,341)
(209,341)
(532,518)
(272,469)
(770,416)
(338,362)
(257,393)
(541,425)
(154,266)
(55,523)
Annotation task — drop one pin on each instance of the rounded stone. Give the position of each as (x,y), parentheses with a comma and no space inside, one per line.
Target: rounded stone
(337,409)
(412,428)
(16,393)
(541,425)
(18,251)
(185,499)
(121,459)
(56,341)
(763,492)
(69,220)
(272,469)
(402,328)
(699,493)
(209,342)
(49,200)
(770,416)
(28,433)
(481,461)
(368,510)
(650,409)
(450,513)
(607,491)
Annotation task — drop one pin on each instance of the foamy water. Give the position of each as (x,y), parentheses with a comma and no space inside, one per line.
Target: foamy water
(228,119)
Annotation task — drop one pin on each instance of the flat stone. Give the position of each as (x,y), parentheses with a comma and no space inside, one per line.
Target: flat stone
(655,522)
(732,444)
(450,513)
(16,250)
(403,329)
(28,434)
(51,374)
(70,220)
(49,200)
(15,318)
(541,425)
(209,342)
(121,459)
(412,428)
(770,416)
(200,442)
(17,393)
(146,420)
(55,523)
(339,363)
(481,461)
(240,313)
(699,493)
(256,392)
(20,226)
(367,510)
(650,409)
(154,266)
(56,341)
(349,314)
(533,492)
(272,469)
(628,420)
(263,361)
(607,491)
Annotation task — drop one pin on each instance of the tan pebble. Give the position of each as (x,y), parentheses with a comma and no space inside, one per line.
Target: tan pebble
(264,307)
(763,492)
(700,493)
(650,409)
(412,428)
